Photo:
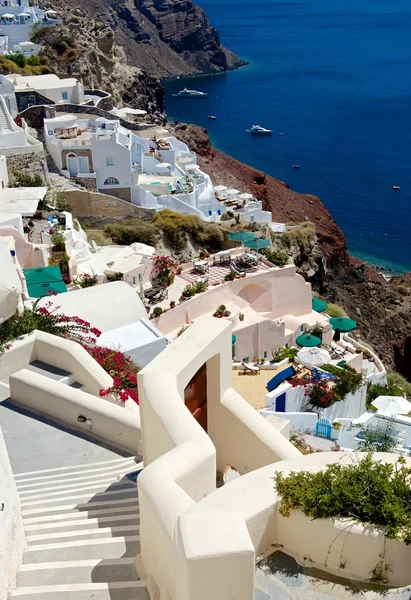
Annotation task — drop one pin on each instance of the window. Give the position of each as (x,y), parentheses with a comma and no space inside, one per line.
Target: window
(265,353)
(134,280)
(64,95)
(109,161)
(111,181)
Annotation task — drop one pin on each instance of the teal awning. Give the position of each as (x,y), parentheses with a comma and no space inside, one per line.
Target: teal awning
(343,323)
(318,305)
(308,341)
(256,244)
(42,275)
(241,236)
(233,340)
(37,290)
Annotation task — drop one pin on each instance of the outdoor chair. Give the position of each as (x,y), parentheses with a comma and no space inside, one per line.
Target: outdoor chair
(248,368)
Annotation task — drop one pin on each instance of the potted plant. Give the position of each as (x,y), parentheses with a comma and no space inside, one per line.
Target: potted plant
(172,303)
(335,433)
(241,316)
(157,311)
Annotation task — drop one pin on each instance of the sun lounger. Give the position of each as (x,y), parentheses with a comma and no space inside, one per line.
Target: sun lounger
(251,368)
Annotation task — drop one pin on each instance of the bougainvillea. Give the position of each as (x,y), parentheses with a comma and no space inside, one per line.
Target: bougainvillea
(122,369)
(46,318)
(164,270)
(318,393)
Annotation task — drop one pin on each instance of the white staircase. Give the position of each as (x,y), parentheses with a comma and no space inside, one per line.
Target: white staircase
(82,531)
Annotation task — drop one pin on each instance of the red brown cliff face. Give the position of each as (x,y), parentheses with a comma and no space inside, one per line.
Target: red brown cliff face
(285,204)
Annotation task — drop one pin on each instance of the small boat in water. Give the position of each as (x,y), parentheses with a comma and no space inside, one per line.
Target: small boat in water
(281,133)
(211,117)
(259,130)
(185,93)
(396,188)
(296,166)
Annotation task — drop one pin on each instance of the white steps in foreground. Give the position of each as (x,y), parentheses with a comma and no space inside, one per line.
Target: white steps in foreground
(118,590)
(82,530)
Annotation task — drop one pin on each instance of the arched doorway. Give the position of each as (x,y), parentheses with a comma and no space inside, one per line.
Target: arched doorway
(195,396)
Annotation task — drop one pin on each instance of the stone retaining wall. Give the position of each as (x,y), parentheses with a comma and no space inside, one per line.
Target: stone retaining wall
(32,163)
(89,183)
(101,209)
(35,114)
(121,193)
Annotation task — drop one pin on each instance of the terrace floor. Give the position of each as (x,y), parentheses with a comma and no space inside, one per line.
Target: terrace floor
(252,386)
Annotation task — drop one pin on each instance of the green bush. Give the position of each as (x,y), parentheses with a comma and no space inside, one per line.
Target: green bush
(115,276)
(18,59)
(347,380)
(177,227)
(20,179)
(334,310)
(57,239)
(368,491)
(283,353)
(399,382)
(302,236)
(277,257)
(379,439)
(126,234)
(157,311)
(33,61)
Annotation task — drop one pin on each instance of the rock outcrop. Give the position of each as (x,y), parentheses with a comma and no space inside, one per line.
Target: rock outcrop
(165,38)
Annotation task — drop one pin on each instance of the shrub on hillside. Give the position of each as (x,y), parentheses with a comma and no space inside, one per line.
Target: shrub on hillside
(276,257)
(335,310)
(177,227)
(301,236)
(20,179)
(127,234)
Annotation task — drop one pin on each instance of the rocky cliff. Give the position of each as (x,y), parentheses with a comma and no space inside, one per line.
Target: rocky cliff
(165,38)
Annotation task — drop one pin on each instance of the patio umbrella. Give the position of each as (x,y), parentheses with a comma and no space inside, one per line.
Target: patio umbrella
(343,323)
(318,305)
(308,341)
(246,196)
(220,188)
(314,357)
(392,405)
(241,236)
(233,340)
(256,244)
(232,192)
(42,275)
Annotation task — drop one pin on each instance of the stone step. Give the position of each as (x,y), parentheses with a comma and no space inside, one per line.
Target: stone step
(102,548)
(118,590)
(76,508)
(99,485)
(38,366)
(74,470)
(82,524)
(77,571)
(116,508)
(85,497)
(81,534)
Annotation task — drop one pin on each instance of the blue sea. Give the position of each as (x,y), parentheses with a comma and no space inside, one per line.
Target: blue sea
(335,77)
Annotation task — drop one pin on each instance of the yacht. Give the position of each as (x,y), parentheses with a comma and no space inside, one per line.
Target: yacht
(185,93)
(259,129)
(296,166)
(211,117)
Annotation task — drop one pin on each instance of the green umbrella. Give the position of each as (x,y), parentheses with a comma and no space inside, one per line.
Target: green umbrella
(233,340)
(37,290)
(318,305)
(241,236)
(308,341)
(42,275)
(343,323)
(256,244)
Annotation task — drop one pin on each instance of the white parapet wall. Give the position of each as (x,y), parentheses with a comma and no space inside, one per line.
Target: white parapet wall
(181,462)
(12,539)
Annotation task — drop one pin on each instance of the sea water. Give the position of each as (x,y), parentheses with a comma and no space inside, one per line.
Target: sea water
(334,77)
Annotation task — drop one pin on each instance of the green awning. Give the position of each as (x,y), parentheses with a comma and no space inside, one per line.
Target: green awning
(318,305)
(37,290)
(233,340)
(42,275)
(241,236)
(343,323)
(308,341)
(256,244)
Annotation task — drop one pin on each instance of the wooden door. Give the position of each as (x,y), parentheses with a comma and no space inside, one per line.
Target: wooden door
(195,396)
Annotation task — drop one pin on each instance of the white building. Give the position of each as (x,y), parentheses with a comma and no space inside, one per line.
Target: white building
(13,138)
(156,173)
(17,18)
(59,91)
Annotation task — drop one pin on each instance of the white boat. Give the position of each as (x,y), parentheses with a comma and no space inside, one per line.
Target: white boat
(260,130)
(185,93)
